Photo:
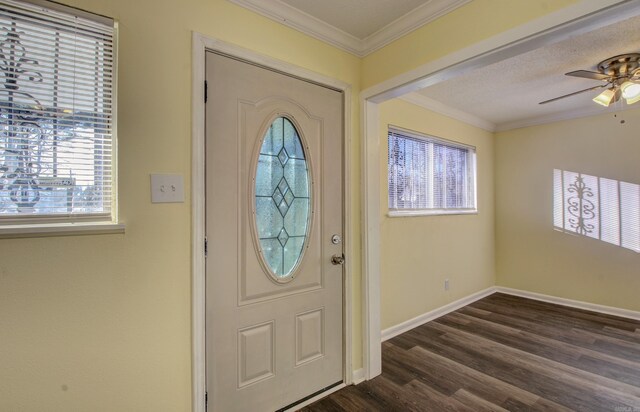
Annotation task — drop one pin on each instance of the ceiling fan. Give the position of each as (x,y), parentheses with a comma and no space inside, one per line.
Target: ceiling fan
(621,77)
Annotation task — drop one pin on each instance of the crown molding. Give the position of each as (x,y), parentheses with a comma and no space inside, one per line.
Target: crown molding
(307,24)
(290,16)
(443,109)
(411,21)
(558,117)
(435,106)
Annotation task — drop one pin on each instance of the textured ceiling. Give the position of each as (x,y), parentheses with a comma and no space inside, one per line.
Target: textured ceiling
(360,18)
(508,92)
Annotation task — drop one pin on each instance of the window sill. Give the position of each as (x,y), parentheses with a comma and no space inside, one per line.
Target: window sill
(60,229)
(434,212)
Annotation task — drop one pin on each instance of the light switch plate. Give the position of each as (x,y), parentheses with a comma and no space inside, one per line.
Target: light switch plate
(167,188)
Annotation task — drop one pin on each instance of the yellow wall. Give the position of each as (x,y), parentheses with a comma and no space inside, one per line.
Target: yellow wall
(103,323)
(419,253)
(476,21)
(531,255)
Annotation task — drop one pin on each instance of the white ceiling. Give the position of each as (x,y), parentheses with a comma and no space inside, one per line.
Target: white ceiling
(506,94)
(359,18)
(356,26)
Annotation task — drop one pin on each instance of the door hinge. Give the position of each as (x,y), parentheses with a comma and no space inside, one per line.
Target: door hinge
(206,246)
(206,400)
(206,91)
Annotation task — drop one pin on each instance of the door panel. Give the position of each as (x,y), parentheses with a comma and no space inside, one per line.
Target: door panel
(274,329)
(309,336)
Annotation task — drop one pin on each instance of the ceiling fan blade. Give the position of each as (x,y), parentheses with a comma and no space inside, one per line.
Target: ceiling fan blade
(588,75)
(574,93)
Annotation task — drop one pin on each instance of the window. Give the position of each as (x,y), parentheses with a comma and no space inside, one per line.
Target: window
(56,115)
(428,175)
(282,199)
(596,207)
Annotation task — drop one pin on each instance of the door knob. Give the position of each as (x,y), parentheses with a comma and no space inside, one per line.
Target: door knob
(337,259)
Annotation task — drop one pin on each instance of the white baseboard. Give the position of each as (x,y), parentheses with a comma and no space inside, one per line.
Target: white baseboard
(453,306)
(608,310)
(436,313)
(358,376)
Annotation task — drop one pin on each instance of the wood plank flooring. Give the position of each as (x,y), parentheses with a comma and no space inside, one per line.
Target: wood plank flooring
(505,353)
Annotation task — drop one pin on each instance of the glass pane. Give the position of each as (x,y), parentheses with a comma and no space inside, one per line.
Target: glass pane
(268,175)
(291,141)
(272,252)
(273,139)
(292,251)
(295,171)
(296,219)
(55,117)
(425,174)
(269,220)
(282,198)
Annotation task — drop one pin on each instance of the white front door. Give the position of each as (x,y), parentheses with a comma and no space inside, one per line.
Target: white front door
(274,220)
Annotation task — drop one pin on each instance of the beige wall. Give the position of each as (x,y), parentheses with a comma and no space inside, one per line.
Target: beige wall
(103,323)
(419,253)
(476,21)
(531,255)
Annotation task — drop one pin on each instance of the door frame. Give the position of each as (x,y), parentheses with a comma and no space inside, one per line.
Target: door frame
(200,45)
(579,18)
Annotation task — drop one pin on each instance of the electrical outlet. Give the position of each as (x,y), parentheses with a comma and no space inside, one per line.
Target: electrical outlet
(446,284)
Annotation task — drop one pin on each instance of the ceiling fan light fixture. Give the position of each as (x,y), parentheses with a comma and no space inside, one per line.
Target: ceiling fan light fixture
(633,100)
(621,77)
(606,97)
(630,90)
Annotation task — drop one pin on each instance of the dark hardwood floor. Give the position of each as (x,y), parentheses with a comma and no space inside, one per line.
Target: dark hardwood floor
(505,353)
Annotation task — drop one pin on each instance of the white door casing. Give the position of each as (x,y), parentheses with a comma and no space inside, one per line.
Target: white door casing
(270,340)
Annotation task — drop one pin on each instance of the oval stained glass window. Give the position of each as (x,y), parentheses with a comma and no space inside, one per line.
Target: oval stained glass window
(282,202)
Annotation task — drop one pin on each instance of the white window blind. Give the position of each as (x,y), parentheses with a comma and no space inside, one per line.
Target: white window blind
(597,207)
(56,114)
(430,174)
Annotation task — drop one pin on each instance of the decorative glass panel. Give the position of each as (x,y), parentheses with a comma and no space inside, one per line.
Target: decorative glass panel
(282,198)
